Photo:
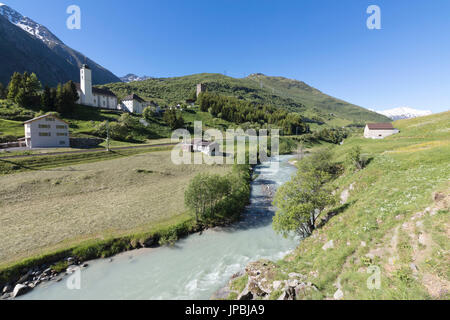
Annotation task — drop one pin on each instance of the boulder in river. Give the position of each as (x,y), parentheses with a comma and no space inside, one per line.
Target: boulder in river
(20,289)
(6,289)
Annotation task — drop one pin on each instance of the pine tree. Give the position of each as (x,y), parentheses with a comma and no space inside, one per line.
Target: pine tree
(53,99)
(46,99)
(3,92)
(59,99)
(14,85)
(21,98)
(32,84)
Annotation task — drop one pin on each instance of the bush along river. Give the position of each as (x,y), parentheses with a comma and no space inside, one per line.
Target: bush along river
(197,266)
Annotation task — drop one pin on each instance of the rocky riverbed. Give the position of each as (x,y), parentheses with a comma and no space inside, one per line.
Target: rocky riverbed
(263,280)
(40,275)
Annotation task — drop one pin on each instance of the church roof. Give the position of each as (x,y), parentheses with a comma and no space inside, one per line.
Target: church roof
(133,97)
(102,92)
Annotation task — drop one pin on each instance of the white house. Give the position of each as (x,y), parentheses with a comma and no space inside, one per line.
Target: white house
(379,130)
(46,132)
(94,97)
(206,147)
(134,104)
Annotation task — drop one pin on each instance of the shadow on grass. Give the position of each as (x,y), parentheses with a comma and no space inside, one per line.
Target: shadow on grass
(333,213)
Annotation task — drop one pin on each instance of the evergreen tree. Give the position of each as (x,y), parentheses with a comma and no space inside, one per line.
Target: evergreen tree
(53,99)
(14,85)
(46,99)
(65,98)
(3,92)
(24,89)
(21,98)
(59,99)
(32,85)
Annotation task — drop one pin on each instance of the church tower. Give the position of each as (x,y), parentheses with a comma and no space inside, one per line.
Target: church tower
(86,85)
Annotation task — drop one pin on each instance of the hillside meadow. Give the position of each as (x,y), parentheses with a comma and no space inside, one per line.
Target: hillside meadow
(393,218)
(396,217)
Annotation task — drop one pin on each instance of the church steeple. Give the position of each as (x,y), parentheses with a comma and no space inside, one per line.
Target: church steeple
(86,85)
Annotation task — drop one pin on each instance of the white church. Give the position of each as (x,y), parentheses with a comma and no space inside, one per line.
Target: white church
(94,97)
(103,98)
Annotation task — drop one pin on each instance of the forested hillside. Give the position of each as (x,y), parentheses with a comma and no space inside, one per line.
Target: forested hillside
(311,103)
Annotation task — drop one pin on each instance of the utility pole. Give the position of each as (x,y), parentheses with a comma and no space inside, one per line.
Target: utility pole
(107,136)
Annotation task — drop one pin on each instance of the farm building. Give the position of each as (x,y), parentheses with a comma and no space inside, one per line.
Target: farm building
(206,147)
(379,130)
(46,132)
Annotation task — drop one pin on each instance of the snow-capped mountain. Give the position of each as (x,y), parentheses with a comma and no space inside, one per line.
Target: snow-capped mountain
(132,78)
(404,113)
(29,46)
(35,29)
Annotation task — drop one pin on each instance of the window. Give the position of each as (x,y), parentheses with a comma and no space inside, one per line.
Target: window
(61,134)
(44,126)
(61,127)
(49,119)
(62,142)
(45,134)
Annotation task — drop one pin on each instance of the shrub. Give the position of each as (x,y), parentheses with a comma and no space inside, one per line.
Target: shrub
(356,159)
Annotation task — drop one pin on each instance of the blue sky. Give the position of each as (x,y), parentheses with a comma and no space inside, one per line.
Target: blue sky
(324,43)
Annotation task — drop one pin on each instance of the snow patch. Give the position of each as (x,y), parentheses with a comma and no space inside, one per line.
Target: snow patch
(404,113)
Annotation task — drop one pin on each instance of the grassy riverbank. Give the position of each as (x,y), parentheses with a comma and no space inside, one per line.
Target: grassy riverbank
(394,217)
(95,209)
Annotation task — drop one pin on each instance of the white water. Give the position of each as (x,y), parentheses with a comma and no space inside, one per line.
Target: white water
(197,266)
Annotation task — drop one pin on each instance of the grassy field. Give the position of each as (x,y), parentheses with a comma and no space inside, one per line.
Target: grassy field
(11,128)
(48,209)
(394,216)
(386,220)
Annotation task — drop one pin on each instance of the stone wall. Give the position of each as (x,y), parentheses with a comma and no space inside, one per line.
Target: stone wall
(85,142)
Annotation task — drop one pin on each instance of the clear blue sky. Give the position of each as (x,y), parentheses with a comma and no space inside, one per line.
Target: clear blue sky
(324,43)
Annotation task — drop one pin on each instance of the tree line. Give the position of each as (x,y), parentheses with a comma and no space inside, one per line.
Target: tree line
(26,90)
(241,111)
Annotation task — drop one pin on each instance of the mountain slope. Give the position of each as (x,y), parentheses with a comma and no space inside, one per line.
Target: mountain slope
(177,89)
(20,55)
(21,52)
(313,98)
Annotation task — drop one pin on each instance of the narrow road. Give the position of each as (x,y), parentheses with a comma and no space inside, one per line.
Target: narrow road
(89,150)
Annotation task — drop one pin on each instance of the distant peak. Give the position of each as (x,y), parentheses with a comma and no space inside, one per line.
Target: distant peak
(404,113)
